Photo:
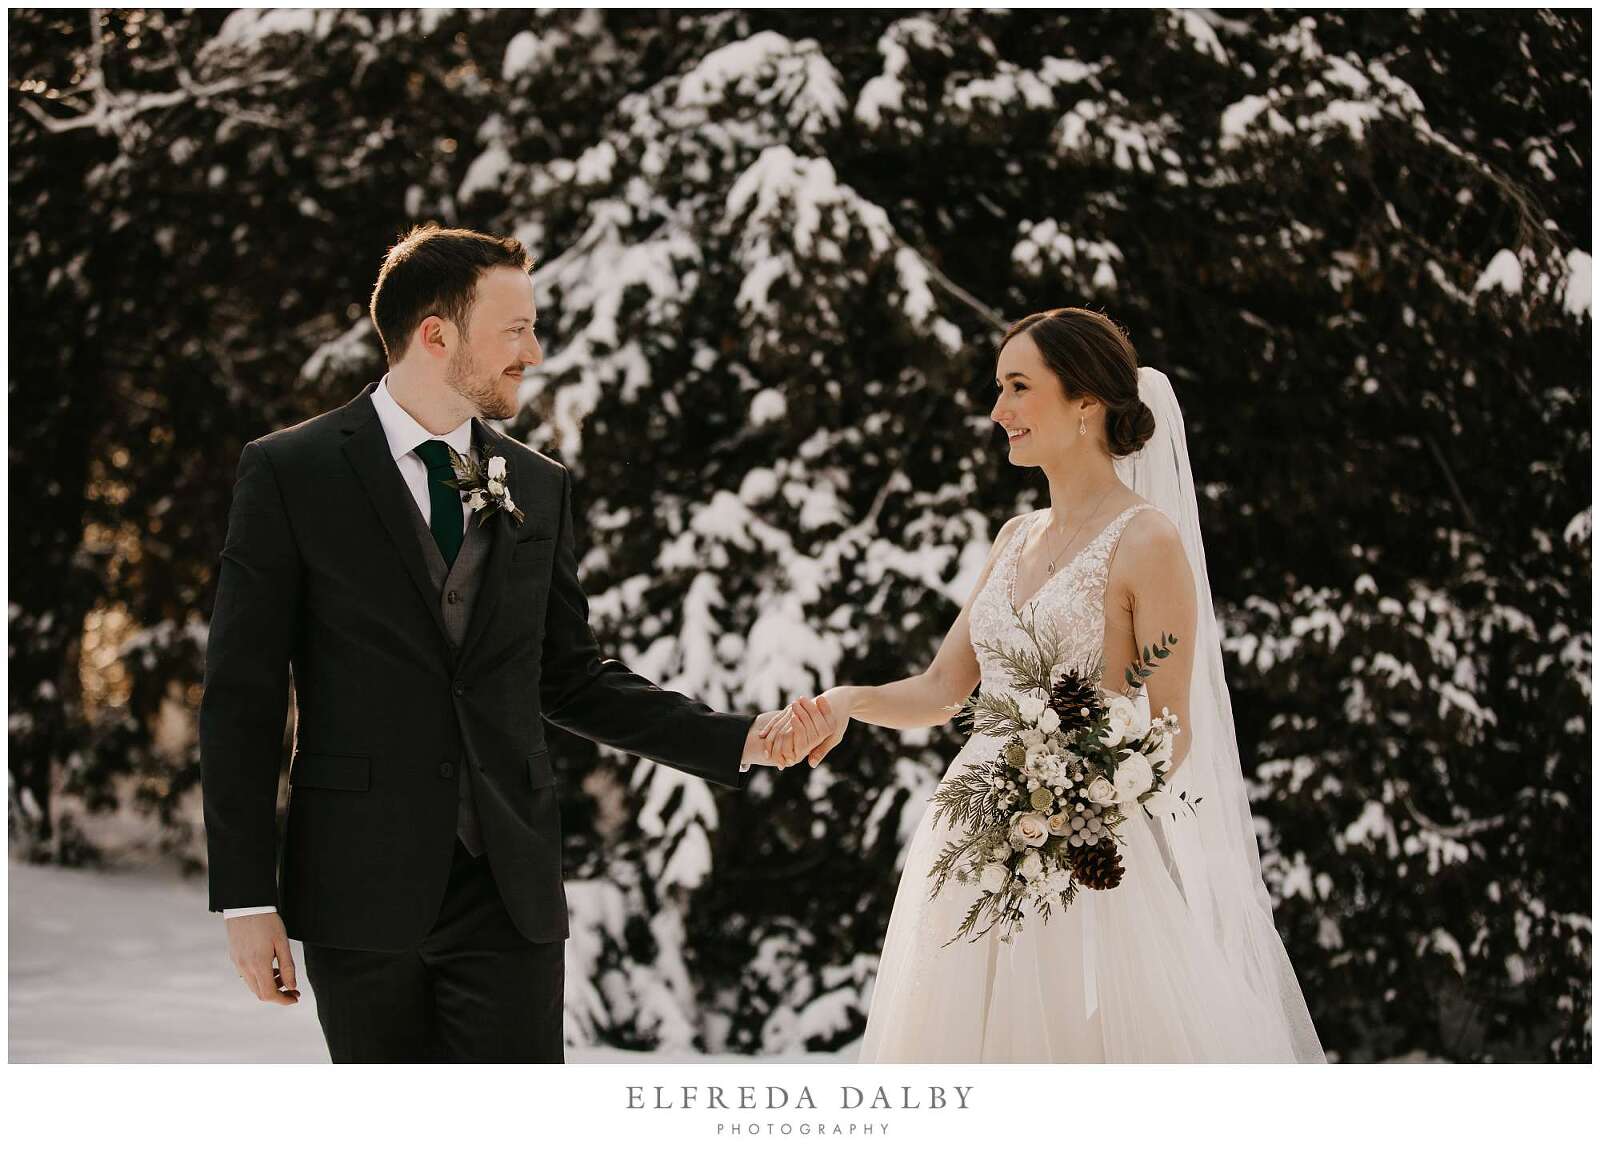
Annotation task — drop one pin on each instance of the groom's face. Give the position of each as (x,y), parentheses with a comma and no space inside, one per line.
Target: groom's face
(499,344)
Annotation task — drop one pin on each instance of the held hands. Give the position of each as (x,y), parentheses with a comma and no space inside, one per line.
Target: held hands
(254,942)
(807,728)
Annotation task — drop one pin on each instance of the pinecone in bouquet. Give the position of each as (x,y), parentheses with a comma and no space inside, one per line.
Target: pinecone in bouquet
(1097,865)
(1070,694)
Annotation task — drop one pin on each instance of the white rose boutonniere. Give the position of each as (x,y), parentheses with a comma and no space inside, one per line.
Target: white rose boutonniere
(487,490)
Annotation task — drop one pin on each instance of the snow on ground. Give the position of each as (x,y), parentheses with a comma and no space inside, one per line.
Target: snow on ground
(129,967)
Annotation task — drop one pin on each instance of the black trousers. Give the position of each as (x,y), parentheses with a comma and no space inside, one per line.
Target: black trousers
(476,990)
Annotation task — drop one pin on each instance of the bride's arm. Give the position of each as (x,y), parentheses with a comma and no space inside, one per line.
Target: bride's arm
(921,701)
(1161,587)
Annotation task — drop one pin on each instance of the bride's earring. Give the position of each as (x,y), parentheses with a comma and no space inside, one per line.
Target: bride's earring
(1083,428)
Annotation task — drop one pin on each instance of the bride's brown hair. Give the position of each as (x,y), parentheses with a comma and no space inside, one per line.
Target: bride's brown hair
(1092,356)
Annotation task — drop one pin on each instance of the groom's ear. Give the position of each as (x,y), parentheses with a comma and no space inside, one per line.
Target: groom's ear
(434,333)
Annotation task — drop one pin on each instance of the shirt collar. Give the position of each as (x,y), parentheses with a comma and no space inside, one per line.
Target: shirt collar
(402,430)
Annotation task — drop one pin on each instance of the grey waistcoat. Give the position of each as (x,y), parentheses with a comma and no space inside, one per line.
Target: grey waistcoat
(457,588)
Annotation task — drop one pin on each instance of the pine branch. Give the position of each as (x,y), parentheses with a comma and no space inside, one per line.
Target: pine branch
(1029,671)
(990,713)
(970,921)
(967,798)
(944,866)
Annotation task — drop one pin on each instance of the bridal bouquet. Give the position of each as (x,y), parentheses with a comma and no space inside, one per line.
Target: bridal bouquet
(1039,821)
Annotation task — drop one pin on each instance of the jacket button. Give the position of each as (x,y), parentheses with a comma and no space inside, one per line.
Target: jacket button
(453,596)
(447,769)
(461,689)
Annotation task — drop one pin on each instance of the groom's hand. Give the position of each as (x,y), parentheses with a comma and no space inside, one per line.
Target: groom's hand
(800,729)
(254,943)
(759,749)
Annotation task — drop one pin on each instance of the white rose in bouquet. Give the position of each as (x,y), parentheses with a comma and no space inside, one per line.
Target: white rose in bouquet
(1136,710)
(1060,824)
(1120,715)
(1101,790)
(1049,721)
(1029,830)
(1031,738)
(1133,779)
(1031,708)
(1140,724)
(1031,866)
(497,467)
(993,877)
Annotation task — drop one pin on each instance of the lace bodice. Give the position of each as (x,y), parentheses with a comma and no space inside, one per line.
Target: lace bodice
(1072,599)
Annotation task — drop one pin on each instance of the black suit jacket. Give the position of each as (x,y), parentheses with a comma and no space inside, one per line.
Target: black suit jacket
(322,572)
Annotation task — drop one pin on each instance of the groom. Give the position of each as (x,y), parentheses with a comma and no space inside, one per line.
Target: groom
(421,856)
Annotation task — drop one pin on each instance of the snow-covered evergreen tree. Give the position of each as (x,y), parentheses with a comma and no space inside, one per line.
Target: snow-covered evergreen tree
(775,249)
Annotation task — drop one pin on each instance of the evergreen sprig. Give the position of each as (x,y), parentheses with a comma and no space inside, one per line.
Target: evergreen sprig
(967,798)
(1030,669)
(974,913)
(945,866)
(991,713)
(1141,670)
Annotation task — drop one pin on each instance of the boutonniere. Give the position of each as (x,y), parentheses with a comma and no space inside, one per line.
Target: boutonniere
(486,491)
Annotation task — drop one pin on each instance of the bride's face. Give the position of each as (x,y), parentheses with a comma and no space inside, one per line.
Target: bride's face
(1040,423)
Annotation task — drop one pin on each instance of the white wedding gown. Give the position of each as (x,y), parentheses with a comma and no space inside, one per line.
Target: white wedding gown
(1122,975)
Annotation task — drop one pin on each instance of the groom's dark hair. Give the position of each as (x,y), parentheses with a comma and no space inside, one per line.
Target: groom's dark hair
(433,271)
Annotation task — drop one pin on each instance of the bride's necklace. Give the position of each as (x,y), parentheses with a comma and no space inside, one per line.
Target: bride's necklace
(1050,568)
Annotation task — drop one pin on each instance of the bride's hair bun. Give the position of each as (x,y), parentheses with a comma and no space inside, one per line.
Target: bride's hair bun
(1092,355)
(1128,427)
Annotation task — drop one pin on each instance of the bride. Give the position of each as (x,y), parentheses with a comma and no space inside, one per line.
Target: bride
(1181,961)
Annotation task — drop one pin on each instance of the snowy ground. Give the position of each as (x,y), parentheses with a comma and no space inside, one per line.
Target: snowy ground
(130,967)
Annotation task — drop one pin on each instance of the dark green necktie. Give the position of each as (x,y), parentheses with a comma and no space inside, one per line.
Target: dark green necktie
(444,502)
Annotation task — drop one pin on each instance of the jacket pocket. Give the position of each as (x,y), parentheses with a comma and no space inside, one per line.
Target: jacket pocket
(540,773)
(533,551)
(323,770)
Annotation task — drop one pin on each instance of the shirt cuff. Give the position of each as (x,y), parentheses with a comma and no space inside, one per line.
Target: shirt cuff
(230,913)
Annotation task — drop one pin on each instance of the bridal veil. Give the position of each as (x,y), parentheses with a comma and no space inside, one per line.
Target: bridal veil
(1214,844)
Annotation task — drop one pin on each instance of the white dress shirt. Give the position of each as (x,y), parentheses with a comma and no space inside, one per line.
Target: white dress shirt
(403,432)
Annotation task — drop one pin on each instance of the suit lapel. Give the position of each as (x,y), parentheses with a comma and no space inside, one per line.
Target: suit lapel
(367,449)
(502,537)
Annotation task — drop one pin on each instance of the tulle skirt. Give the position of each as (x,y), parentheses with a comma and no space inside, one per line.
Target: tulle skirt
(1123,975)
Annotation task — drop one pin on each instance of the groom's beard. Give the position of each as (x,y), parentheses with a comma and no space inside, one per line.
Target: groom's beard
(479,388)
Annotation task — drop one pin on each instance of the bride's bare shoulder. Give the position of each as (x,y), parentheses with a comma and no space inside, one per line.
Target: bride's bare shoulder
(1001,539)
(1150,542)
(1009,528)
